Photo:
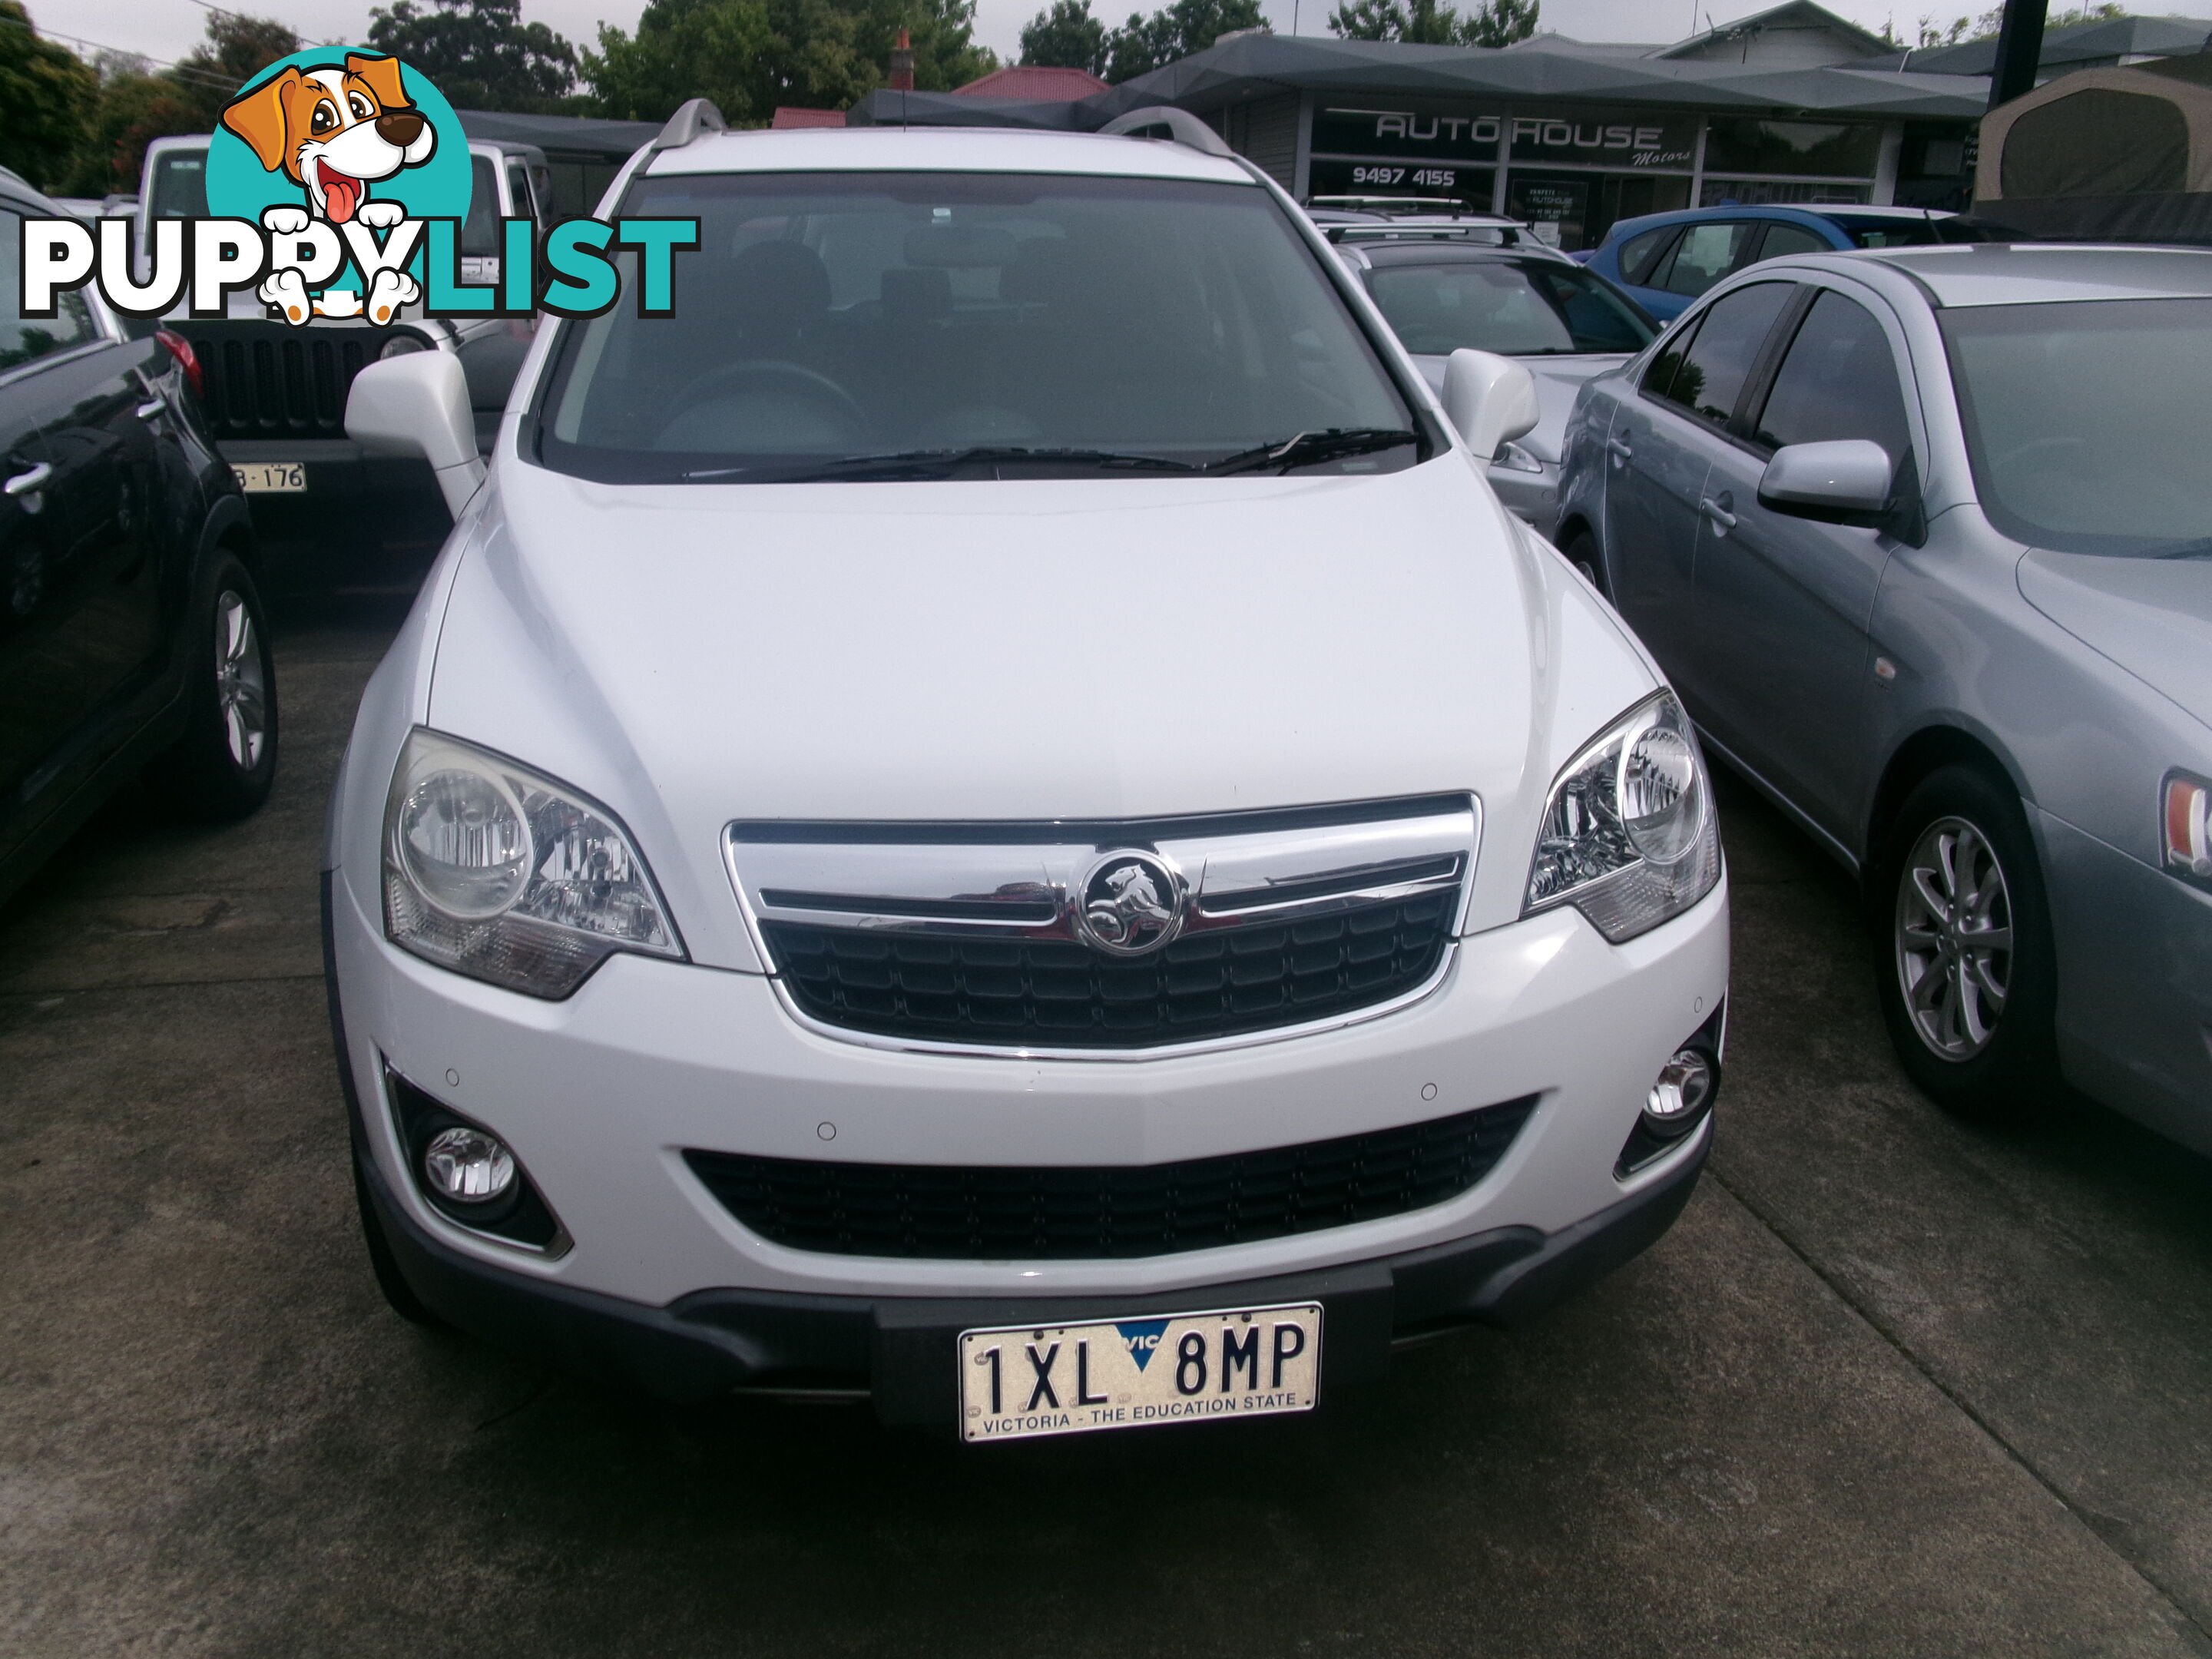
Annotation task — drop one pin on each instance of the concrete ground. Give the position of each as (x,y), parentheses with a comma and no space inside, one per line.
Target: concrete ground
(1893,1385)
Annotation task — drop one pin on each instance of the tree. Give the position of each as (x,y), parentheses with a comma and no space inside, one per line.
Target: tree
(1145,44)
(749,56)
(480,52)
(1985,26)
(132,107)
(1435,23)
(47,95)
(1067,37)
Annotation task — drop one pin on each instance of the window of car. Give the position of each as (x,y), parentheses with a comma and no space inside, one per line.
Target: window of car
(1640,254)
(1784,239)
(1709,367)
(1706,253)
(1517,307)
(179,187)
(480,230)
(2085,422)
(518,190)
(830,323)
(24,339)
(1837,379)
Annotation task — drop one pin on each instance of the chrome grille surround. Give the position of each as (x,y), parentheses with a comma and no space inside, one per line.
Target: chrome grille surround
(1024,882)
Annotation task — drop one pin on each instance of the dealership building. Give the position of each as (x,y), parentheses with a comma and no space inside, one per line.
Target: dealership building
(1793,104)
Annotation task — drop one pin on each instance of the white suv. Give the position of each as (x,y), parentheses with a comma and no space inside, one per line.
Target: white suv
(993,814)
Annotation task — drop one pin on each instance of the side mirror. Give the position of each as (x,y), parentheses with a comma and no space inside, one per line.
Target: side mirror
(1489,398)
(1847,479)
(418,404)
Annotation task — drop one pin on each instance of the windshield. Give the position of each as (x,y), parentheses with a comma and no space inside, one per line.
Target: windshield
(2085,422)
(942,325)
(179,187)
(1517,307)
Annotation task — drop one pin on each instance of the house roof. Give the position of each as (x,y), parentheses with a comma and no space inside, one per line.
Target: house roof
(1264,65)
(560,134)
(1790,15)
(1030,81)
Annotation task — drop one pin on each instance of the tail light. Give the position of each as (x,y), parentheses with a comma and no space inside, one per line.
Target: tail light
(181,349)
(2188,826)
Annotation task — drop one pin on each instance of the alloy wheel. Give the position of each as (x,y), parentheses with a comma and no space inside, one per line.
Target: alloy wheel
(241,686)
(1954,938)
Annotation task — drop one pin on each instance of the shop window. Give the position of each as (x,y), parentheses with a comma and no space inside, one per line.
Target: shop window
(1836,150)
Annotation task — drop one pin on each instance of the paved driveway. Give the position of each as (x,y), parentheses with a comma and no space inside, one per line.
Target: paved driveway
(1890,1386)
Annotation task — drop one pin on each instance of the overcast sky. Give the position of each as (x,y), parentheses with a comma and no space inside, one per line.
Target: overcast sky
(166,29)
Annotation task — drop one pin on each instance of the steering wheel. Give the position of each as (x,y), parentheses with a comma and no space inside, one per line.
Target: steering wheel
(768,374)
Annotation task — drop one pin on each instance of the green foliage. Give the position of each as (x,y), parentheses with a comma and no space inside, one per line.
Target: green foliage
(1145,44)
(1067,37)
(104,118)
(1985,26)
(749,56)
(480,54)
(1435,23)
(46,95)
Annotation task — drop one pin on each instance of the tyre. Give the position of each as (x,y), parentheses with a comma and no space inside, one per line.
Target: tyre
(1580,550)
(223,765)
(1966,972)
(398,1294)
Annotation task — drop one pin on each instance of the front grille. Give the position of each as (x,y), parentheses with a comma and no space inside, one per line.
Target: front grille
(1057,993)
(1080,1214)
(270,380)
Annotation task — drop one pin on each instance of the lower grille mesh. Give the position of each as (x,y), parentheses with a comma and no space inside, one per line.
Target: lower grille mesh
(1060,1214)
(1056,993)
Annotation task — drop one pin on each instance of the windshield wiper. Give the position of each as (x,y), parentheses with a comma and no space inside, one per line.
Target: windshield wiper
(1308,448)
(935,462)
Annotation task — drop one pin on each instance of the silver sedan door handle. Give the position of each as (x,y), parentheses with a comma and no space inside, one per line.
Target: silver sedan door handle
(152,407)
(1717,511)
(29,483)
(1619,449)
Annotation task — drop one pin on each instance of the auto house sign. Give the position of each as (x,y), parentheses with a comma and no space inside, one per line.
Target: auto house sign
(1592,138)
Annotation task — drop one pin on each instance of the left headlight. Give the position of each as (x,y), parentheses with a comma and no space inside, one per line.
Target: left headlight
(1628,835)
(498,872)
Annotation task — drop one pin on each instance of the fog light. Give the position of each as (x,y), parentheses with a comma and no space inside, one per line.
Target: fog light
(1685,1085)
(467,1166)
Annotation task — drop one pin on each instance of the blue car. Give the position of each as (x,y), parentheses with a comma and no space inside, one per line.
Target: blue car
(1666,260)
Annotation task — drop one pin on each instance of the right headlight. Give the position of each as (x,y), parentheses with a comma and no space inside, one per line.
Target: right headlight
(1628,836)
(504,874)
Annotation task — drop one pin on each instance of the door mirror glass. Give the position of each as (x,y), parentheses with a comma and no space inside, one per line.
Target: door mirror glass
(1490,398)
(1847,479)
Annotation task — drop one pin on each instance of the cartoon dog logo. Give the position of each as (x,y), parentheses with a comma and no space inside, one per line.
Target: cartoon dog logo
(334,132)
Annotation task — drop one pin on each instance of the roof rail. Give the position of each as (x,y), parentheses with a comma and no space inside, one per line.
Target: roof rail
(699,115)
(1177,125)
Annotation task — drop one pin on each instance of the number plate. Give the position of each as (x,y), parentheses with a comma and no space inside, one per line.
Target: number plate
(1025,1381)
(270,477)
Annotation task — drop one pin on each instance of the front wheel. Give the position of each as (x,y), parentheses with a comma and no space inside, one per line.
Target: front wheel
(1581,552)
(1968,980)
(224,764)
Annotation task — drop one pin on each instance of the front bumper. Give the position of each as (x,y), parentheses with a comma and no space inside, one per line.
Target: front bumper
(352,499)
(600,1096)
(2135,1015)
(900,1351)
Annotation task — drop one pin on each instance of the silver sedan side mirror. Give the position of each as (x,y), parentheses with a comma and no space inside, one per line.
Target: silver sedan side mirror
(1849,477)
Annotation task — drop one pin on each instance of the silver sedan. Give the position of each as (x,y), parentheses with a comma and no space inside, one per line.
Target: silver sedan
(1563,323)
(1924,538)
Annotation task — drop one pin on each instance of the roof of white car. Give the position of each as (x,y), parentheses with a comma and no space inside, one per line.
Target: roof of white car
(1998,274)
(942,149)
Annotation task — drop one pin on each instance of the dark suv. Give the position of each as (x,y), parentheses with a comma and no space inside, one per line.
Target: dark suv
(132,635)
